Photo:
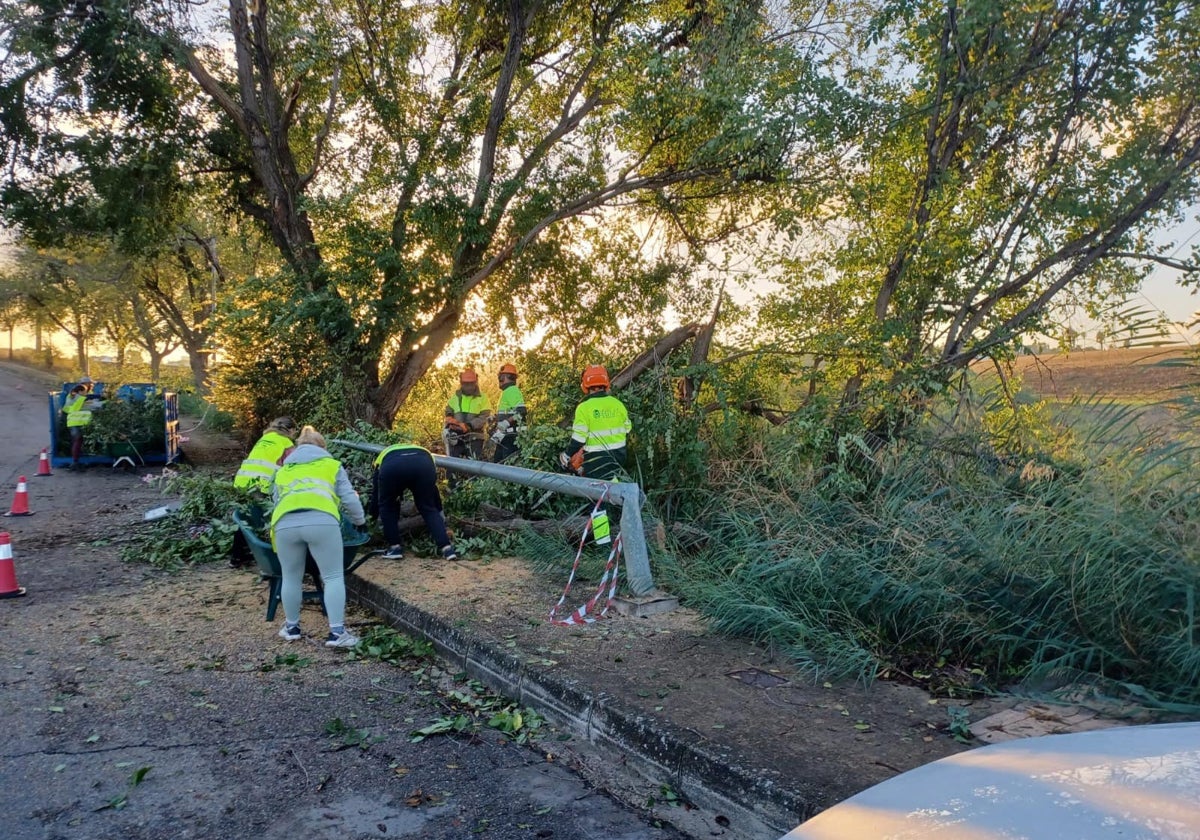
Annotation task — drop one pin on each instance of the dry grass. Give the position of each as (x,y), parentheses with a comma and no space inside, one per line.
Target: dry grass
(1144,373)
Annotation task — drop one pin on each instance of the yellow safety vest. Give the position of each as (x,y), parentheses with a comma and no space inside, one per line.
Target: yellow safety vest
(262,462)
(510,413)
(311,486)
(601,424)
(395,448)
(76,414)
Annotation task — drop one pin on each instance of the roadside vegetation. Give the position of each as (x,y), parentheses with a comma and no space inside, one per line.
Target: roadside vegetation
(989,549)
(332,221)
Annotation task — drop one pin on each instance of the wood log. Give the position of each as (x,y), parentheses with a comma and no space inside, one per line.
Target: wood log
(497,514)
(654,355)
(774,416)
(689,537)
(700,349)
(410,524)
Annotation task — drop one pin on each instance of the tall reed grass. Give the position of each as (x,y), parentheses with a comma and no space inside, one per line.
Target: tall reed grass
(1081,561)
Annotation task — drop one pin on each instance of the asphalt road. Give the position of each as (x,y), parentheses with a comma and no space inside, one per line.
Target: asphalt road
(141,705)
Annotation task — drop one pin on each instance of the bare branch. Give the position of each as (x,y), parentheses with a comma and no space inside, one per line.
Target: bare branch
(1169,262)
(323,135)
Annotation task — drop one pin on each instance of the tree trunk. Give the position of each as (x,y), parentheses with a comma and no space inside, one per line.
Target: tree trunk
(199,364)
(380,401)
(155,364)
(655,354)
(81,353)
(689,385)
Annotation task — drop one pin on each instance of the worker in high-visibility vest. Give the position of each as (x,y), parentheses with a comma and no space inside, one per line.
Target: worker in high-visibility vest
(311,490)
(257,472)
(406,467)
(77,410)
(510,415)
(467,415)
(597,445)
(599,431)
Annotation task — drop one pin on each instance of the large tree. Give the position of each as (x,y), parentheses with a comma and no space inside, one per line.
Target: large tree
(400,154)
(1020,155)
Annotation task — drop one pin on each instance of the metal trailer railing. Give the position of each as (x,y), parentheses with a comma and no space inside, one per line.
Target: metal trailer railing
(627,494)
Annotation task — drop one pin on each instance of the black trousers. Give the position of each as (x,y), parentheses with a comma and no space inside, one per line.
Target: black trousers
(409,470)
(506,448)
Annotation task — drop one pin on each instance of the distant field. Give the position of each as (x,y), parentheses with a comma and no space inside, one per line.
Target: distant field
(1128,374)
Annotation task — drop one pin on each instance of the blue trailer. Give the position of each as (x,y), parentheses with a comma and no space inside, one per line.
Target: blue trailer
(139,449)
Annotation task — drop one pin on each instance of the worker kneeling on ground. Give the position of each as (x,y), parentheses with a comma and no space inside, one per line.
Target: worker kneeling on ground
(257,472)
(406,467)
(598,435)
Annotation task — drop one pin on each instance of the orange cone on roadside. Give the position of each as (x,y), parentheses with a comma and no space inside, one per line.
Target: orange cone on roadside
(8,575)
(20,505)
(44,464)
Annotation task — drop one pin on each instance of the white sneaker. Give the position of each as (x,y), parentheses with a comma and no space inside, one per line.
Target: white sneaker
(345,639)
(290,633)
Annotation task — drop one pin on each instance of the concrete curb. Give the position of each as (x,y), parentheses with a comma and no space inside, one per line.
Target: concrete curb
(745,802)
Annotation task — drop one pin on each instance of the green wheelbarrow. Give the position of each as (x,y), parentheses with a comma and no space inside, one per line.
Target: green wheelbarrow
(252,521)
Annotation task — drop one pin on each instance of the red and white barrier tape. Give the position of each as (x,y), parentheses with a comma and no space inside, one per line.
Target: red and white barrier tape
(584,614)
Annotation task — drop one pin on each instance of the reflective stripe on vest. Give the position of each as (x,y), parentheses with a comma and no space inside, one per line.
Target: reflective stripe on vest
(262,462)
(396,448)
(463,404)
(76,414)
(601,424)
(310,486)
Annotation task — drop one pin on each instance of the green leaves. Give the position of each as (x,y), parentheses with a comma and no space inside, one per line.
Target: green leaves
(388,645)
(477,705)
(121,800)
(200,531)
(348,736)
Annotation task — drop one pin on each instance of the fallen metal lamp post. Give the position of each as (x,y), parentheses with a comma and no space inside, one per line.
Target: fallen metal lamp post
(624,493)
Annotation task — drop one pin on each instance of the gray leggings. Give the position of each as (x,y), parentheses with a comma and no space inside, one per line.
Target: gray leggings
(325,544)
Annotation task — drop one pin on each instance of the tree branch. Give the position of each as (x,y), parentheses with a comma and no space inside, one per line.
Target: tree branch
(323,135)
(1169,262)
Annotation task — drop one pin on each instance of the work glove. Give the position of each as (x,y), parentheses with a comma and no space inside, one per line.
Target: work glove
(571,463)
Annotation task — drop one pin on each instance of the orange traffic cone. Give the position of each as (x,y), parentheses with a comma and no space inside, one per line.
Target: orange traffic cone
(8,575)
(20,505)
(44,464)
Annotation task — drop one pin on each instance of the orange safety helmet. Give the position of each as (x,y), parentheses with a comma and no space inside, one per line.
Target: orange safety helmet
(595,376)
(509,369)
(468,375)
